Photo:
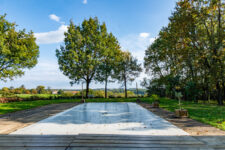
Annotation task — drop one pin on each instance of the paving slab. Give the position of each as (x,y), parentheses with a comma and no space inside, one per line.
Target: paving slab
(107,142)
(103,118)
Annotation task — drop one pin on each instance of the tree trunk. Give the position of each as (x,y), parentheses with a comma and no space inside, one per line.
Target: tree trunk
(125,85)
(219,94)
(87,88)
(106,81)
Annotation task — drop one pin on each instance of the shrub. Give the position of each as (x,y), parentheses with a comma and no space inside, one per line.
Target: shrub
(27,92)
(155,97)
(99,94)
(67,95)
(60,92)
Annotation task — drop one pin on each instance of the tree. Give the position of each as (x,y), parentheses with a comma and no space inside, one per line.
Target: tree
(40,89)
(33,91)
(80,57)
(5,91)
(110,56)
(192,47)
(18,50)
(60,92)
(22,89)
(127,69)
(49,90)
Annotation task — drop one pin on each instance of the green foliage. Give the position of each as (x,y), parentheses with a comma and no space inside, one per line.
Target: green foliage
(154,97)
(60,92)
(67,94)
(154,86)
(88,49)
(127,69)
(33,91)
(41,89)
(99,94)
(191,90)
(18,50)
(110,57)
(191,47)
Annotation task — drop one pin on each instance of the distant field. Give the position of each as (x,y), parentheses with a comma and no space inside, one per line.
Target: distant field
(206,113)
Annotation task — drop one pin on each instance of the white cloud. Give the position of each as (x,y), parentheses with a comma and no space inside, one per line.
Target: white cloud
(45,71)
(151,40)
(144,35)
(54,17)
(136,44)
(51,36)
(84,1)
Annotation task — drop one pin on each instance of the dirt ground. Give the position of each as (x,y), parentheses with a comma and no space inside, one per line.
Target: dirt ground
(16,120)
(191,126)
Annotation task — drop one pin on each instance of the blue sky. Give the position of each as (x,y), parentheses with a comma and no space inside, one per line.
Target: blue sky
(135,23)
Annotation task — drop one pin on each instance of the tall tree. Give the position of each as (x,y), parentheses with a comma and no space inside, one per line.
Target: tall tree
(127,69)
(18,50)
(40,89)
(110,56)
(80,57)
(192,47)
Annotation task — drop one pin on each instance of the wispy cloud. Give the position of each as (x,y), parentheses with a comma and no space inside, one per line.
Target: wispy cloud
(51,36)
(137,44)
(54,17)
(84,1)
(144,35)
(45,73)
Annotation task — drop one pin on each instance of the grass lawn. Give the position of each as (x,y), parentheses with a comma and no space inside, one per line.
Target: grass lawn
(206,113)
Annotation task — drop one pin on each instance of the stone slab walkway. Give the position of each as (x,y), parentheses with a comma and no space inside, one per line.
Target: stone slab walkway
(107,142)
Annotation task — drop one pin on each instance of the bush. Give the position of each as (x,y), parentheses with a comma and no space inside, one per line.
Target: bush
(99,94)
(9,99)
(155,97)
(67,95)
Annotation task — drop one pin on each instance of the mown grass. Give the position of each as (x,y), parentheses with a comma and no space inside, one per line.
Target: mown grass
(206,113)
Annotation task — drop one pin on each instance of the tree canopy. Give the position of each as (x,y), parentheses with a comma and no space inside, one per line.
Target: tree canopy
(127,69)
(110,56)
(18,50)
(191,47)
(88,49)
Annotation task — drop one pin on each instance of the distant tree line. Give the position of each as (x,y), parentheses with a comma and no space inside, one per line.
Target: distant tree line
(188,55)
(22,90)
